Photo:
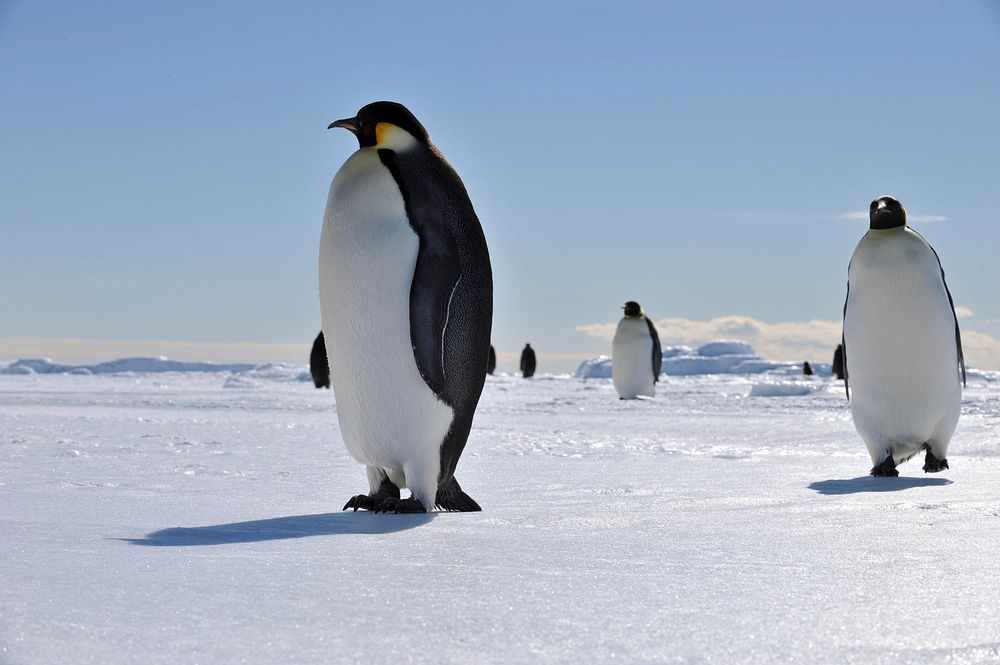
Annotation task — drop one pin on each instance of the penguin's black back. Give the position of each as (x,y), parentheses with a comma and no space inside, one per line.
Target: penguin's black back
(491,362)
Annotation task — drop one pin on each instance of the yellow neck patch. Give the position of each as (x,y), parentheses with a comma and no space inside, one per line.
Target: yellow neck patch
(393,137)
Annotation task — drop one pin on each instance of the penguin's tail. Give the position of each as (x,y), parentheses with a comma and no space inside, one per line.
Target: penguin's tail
(450,497)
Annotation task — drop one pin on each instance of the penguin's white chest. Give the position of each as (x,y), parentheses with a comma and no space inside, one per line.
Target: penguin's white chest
(631,359)
(388,416)
(899,331)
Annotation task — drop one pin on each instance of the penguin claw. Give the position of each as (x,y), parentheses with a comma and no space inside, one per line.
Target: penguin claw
(933,464)
(362,501)
(398,506)
(886,469)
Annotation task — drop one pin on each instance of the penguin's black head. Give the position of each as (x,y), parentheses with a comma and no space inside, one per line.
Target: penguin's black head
(632,308)
(886,213)
(378,123)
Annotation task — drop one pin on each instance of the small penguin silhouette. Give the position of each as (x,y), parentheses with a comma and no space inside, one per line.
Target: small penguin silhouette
(528,362)
(491,361)
(838,362)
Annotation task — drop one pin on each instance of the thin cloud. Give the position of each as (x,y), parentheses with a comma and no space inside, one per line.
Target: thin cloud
(963,312)
(861,215)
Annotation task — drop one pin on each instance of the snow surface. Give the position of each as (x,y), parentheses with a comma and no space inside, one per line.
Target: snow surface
(168,518)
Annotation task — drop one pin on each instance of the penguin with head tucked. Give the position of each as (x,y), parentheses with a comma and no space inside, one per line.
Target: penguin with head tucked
(902,348)
(406,293)
(636,356)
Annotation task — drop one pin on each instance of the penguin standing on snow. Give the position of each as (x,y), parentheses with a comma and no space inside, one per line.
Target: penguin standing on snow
(636,355)
(491,361)
(406,292)
(902,348)
(838,362)
(528,361)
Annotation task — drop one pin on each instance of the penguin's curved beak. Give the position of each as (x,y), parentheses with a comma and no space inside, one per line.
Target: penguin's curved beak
(350,124)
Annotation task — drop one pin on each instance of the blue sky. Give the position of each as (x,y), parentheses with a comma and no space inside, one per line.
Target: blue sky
(165,166)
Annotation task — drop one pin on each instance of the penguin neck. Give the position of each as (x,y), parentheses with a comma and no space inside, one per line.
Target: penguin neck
(889,229)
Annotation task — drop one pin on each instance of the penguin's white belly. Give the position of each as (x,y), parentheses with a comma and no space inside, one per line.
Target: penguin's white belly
(388,416)
(632,359)
(899,331)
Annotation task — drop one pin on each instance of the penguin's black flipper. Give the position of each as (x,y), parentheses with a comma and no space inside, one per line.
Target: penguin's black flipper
(435,278)
(451,497)
(843,341)
(958,333)
(657,350)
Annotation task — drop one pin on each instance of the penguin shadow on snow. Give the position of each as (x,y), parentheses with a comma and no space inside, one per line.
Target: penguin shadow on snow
(282,528)
(863,484)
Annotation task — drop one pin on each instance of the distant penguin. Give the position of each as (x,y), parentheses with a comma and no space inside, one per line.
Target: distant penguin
(838,362)
(491,361)
(406,291)
(636,355)
(902,346)
(807,369)
(528,362)
(319,366)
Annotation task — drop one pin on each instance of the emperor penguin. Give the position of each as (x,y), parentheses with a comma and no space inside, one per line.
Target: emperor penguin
(902,348)
(406,293)
(491,361)
(636,356)
(528,361)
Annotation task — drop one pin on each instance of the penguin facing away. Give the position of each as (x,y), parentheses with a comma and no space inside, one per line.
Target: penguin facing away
(319,366)
(903,363)
(406,292)
(838,362)
(491,361)
(636,356)
(528,362)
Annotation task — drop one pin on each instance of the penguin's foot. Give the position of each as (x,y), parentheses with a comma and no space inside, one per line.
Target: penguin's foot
(451,497)
(886,468)
(933,464)
(362,501)
(397,505)
(368,501)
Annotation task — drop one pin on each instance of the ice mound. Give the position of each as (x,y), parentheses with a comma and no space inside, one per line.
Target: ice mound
(726,347)
(719,357)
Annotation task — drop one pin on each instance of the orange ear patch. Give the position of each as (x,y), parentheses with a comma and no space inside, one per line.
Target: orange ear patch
(382,131)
